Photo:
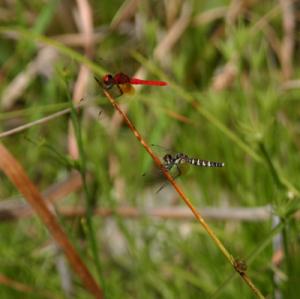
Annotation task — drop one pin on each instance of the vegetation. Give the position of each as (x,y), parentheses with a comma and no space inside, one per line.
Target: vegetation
(232,96)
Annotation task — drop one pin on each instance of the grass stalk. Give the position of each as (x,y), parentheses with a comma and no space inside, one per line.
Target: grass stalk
(276,230)
(17,175)
(89,200)
(197,215)
(281,186)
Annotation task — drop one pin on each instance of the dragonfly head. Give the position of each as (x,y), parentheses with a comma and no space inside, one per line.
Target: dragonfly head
(108,81)
(168,158)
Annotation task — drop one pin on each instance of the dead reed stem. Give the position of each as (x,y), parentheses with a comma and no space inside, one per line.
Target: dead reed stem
(16,173)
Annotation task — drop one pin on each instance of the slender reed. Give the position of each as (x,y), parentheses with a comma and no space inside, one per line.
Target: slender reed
(17,175)
(89,200)
(197,215)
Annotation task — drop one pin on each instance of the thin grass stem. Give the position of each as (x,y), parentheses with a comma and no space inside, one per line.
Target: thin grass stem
(251,258)
(89,200)
(197,215)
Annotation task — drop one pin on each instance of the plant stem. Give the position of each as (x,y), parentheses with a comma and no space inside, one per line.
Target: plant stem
(197,215)
(89,199)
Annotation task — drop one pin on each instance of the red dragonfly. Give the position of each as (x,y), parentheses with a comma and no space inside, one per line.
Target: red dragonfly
(124,83)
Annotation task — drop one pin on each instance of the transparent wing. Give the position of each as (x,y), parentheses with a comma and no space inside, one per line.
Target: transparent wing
(175,172)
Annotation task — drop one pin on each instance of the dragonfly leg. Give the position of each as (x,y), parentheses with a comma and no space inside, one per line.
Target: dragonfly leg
(120,90)
(161,187)
(178,172)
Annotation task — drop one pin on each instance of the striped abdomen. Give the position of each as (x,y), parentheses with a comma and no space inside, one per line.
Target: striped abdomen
(204,163)
(180,158)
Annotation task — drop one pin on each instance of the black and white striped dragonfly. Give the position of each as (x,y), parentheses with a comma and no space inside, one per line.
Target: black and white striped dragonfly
(180,162)
(174,160)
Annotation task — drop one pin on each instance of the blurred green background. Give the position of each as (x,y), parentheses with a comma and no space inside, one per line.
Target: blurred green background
(233,96)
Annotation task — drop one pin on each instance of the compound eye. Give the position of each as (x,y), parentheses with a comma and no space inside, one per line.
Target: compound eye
(167,158)
(108,81)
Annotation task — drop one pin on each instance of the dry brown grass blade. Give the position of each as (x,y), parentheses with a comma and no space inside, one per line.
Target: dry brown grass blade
(24,288)
(34,123)
(178,116)
(288,43)
(16,173)
(77,39)
(209,16)
(172,8)
(256,214)
(85,24)
(126,11)
(15,208)
(43,63)
(225,78)
(174,34)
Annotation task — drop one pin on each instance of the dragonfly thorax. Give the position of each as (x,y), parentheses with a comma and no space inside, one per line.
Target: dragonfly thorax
(170,161)
(121,78)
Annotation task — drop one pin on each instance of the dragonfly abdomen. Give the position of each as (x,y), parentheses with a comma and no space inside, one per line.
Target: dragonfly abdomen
(205,163)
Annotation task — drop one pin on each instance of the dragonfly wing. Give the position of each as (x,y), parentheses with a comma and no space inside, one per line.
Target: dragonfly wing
(183,168)
(161,187)
(175,173)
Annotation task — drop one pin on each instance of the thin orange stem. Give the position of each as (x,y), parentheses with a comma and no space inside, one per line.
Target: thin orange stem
(197,215)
